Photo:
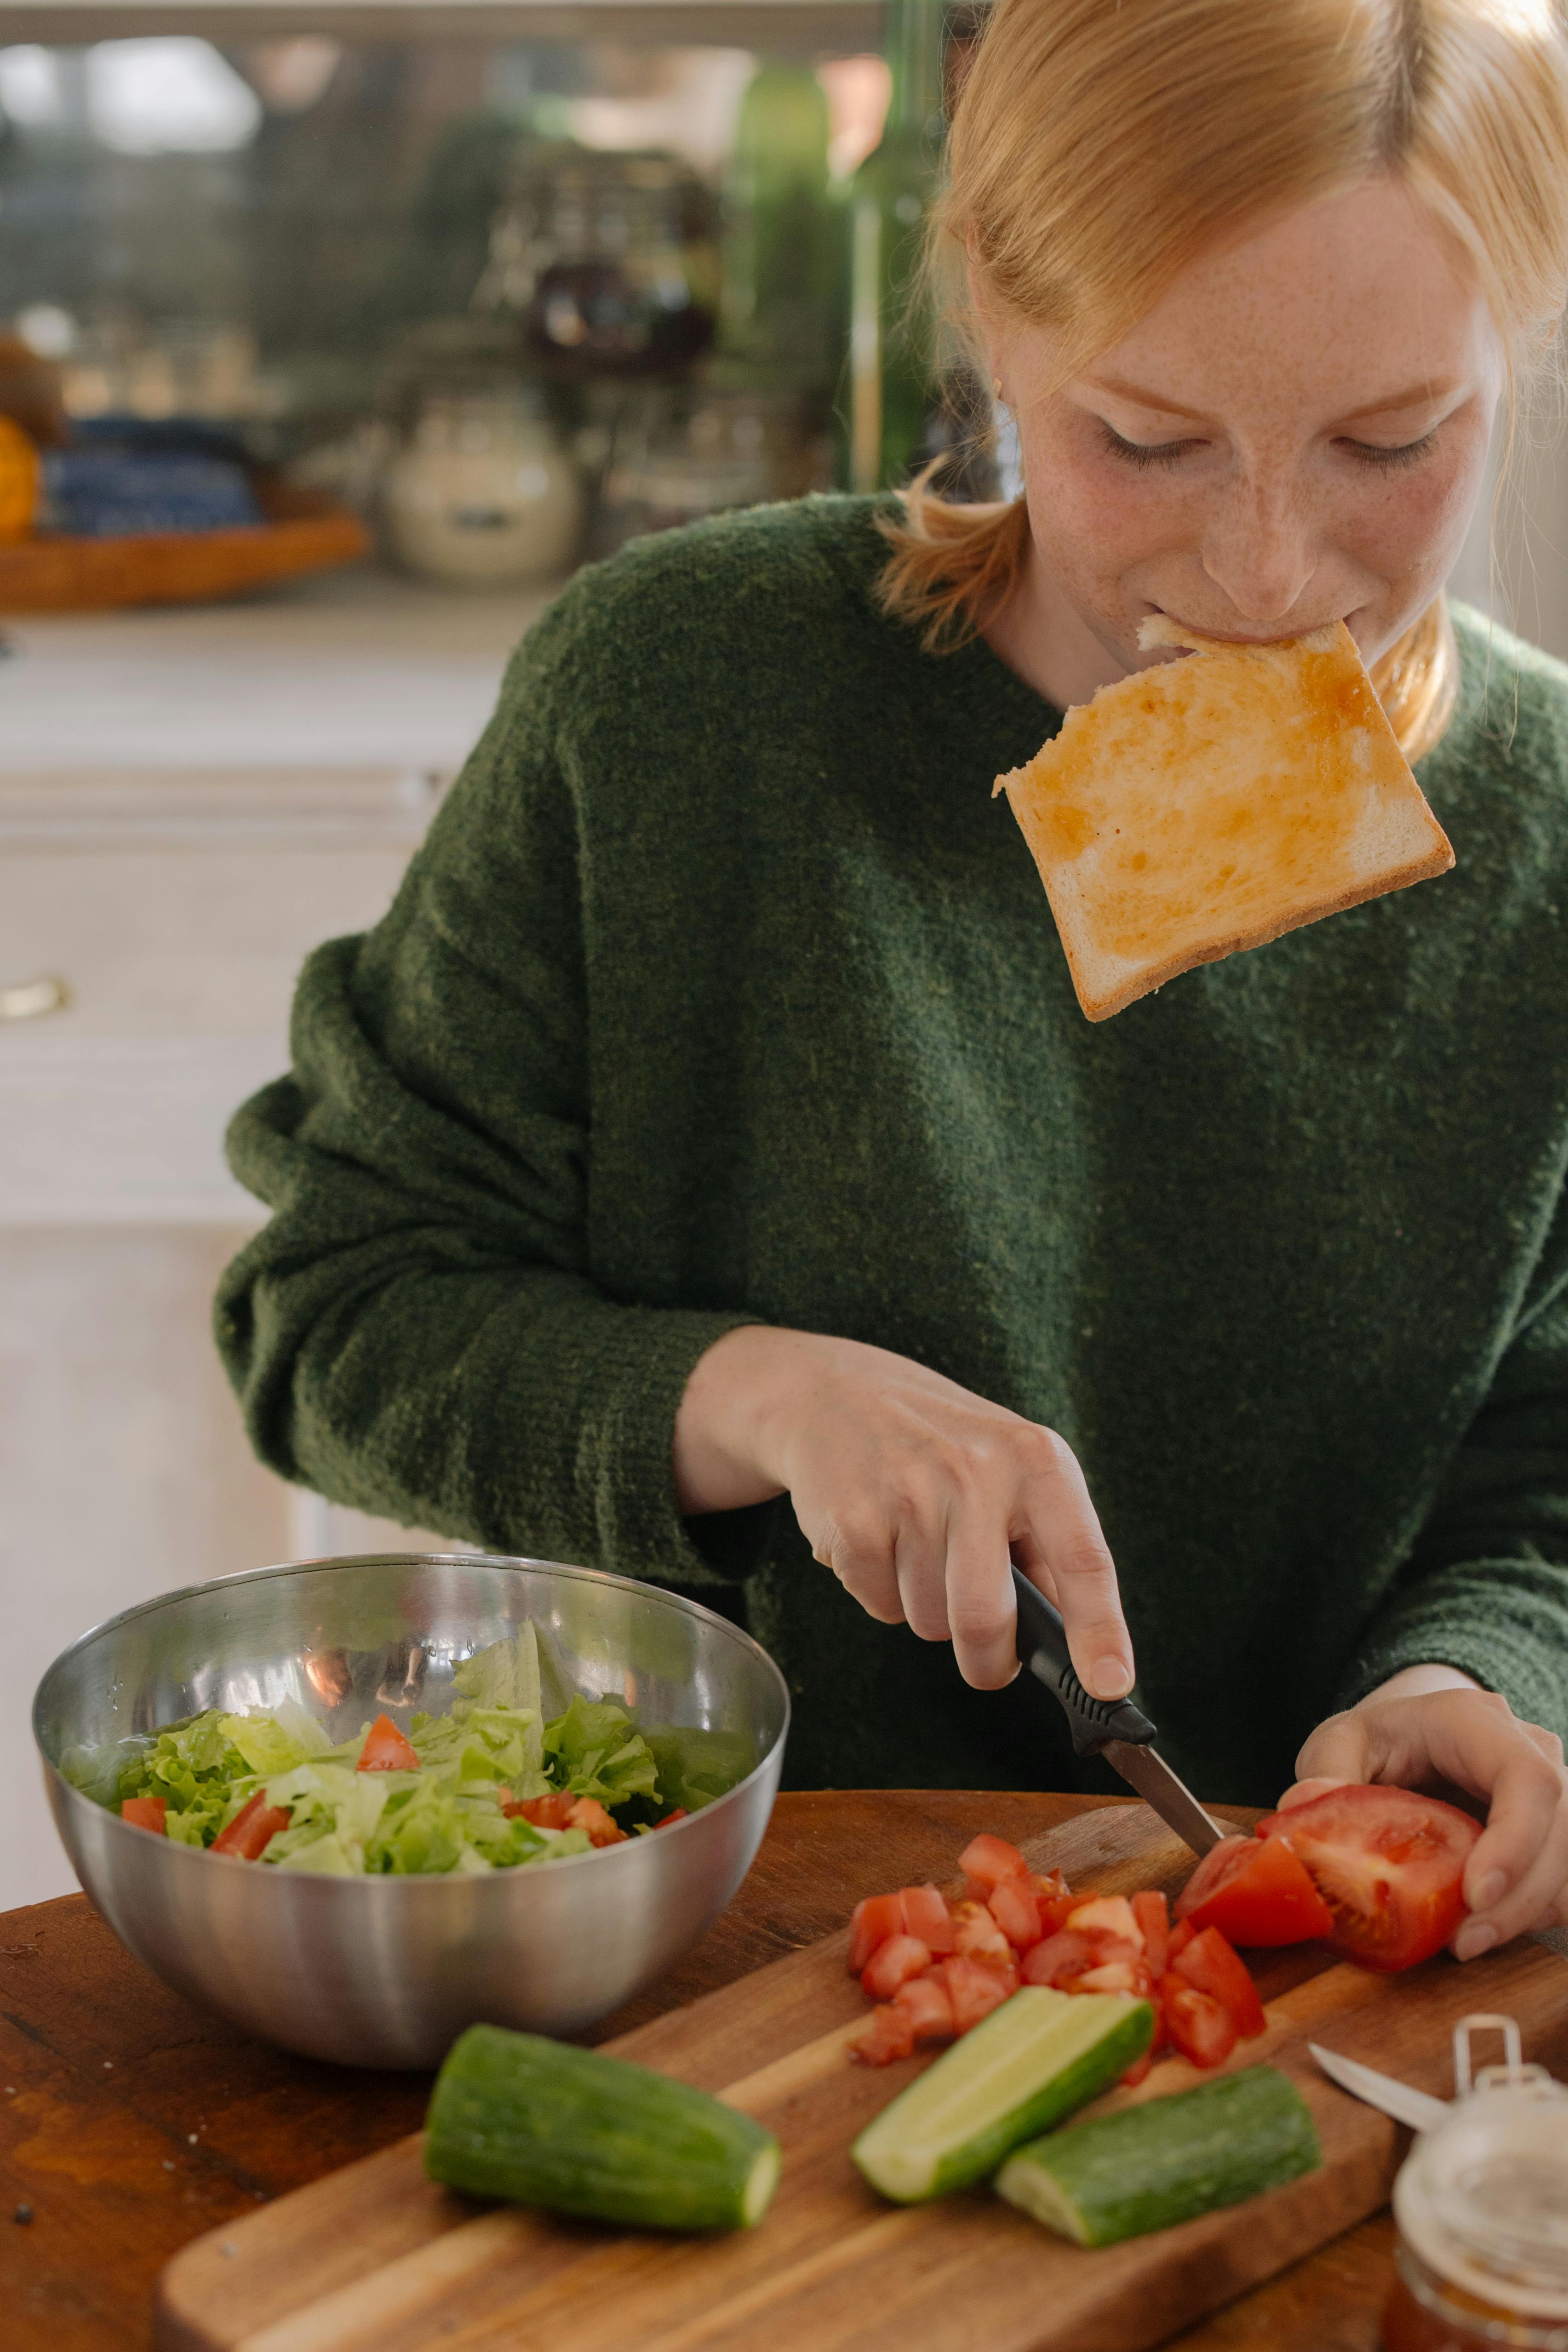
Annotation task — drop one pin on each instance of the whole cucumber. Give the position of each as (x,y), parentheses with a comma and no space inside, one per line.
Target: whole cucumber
(542,2123)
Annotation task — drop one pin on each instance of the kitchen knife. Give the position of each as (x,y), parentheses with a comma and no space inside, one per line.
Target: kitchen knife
(1405,2104)
(1115,1729)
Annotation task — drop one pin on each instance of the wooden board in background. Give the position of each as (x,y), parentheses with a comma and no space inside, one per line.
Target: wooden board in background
(377,2259)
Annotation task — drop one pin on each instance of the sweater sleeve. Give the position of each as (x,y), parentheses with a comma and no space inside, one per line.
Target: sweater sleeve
(1486,1586)
(416,1331)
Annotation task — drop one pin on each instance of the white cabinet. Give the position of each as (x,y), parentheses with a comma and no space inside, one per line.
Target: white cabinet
(189,803)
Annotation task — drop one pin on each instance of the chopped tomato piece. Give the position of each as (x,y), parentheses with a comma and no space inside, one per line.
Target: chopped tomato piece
(253,1829)
(1110,1916)
(552,1812)
(1181,1934)
(1210,1964)
(1154,1926)
(926,1915)
(926,2001)
(1114,1976)
(1390,1866)
(385,1749)
(872,1923)
(974,1990)
(1056,1900)
(667,1821)
(975,1933)
(1137,2070)
(1058,1959)
(587,1813)
(1198,2025)
(988,1860)
(892,1964)
(889,2036)
(147,1814)
(1254,1891)
(1016,1907)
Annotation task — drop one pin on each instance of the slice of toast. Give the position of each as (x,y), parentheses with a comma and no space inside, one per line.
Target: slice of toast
(1211,803)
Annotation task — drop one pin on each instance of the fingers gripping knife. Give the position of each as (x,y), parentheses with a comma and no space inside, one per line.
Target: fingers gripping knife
(1115,1729)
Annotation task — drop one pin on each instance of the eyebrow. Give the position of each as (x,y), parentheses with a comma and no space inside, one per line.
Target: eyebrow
(1415,395)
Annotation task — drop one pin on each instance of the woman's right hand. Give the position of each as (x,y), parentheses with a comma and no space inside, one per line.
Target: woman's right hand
(915,1492)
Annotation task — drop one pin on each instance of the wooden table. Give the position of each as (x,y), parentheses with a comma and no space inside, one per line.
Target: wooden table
(131,2122)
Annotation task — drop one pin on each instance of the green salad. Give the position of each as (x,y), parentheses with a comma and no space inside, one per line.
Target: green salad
(489,1785)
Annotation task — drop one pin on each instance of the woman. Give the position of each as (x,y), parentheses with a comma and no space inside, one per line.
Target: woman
(710,1122)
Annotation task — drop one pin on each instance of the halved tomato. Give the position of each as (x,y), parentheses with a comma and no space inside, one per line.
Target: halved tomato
(385,1749)
(1210,1964)
(1200,2027)
(1390,1866)
(892,1964)
(1254,1891)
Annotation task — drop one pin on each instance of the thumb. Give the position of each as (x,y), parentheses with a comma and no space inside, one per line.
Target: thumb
(1303,1791)
(1340,1749)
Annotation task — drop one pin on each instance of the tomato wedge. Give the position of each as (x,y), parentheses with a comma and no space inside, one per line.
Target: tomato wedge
(1254,1891)
(1200,2027)
(552,1812)
(1210,1964)
(1390,1866)
(385,1749)
(147,1814)
(253,1829)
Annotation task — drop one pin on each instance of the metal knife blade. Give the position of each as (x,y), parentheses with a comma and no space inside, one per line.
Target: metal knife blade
(1146,1771)
(1115,1729)
(1400,2100)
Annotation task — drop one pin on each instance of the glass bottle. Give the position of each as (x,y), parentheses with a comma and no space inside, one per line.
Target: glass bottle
(893,362)
(776,317)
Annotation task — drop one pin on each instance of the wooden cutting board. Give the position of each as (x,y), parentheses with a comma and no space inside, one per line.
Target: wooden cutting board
(377,2259)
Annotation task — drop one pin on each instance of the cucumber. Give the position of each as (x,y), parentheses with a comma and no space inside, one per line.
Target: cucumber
(1165,2160)
(1040,2056)
(514,2115)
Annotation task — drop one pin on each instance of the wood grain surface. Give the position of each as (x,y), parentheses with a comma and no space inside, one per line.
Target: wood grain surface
(131,2123)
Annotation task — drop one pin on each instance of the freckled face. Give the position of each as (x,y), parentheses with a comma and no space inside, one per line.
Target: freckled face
(1296,434)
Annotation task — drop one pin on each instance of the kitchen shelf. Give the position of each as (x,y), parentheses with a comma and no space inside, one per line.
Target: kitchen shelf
(841,25)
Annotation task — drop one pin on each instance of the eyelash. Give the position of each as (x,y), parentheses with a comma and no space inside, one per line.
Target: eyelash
(1142,454)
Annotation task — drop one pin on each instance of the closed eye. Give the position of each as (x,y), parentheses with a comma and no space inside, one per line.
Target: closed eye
(1144,453)
(1406,453)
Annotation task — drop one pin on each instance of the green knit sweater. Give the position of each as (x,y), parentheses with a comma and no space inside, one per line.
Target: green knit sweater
(722,992)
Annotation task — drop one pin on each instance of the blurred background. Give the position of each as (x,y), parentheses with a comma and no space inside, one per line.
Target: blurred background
(333,337)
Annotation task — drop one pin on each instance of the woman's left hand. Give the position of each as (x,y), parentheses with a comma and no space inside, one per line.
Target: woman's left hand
(1431,1727)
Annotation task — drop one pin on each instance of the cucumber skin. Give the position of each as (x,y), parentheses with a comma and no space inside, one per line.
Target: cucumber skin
(540,2122)
(1215,2146)
(1088,2076)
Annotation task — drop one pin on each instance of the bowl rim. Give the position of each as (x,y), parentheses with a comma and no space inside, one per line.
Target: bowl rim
(475,1880)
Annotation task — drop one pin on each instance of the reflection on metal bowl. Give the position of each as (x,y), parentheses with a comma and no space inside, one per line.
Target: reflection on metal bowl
(387,1971)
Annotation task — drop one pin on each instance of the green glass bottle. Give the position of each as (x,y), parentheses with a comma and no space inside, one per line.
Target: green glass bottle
(776,315)
(892,386)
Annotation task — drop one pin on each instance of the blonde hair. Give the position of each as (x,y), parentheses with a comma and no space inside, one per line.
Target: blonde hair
(1097,149)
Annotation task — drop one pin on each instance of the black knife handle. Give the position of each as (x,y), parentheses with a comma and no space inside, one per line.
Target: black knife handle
(1043,1648)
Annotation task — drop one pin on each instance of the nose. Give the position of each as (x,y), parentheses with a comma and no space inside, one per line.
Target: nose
(1258,550)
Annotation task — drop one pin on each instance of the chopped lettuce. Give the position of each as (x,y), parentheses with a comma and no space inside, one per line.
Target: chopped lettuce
(493,1745)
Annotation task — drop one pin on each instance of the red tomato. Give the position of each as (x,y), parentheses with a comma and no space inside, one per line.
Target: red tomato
(252,1829)
(1254,1891)
(928,2004)
(989,1860)
(667,1821)
(1181,1934)
(1137,2070)
(1154,1925)
(974,1990)
(1058,1960)
(385,1749)
(1198,2026)
(1210,1964)
(587,1813)
(1390,1866)
(553,1812)
(1115,1976)
(888,2035)
(1110,1918)
(872,1923)
(147,1814)
(1016,1907)
(892,1964)
(1056,1899)
(975,1934)
(926,1915)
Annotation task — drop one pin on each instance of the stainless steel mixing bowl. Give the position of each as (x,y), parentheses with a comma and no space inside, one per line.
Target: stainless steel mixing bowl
(387,1971)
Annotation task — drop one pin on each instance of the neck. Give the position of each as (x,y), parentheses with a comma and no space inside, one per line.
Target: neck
(1040,636)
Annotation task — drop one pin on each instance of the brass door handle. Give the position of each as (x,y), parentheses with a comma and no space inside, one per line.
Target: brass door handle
(27,1000)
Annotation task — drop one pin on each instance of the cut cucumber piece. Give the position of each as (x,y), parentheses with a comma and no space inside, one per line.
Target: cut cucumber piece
(1165,2160)
(1042,2055)
(539,2122)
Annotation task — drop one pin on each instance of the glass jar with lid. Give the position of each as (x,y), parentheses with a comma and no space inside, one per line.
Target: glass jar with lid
(482,493)
(1481,2209)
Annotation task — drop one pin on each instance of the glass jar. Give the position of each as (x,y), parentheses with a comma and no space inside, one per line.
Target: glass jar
(482,494)
(1481,2206)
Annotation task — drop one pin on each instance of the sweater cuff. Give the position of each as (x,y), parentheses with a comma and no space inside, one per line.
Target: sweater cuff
(1442,1636)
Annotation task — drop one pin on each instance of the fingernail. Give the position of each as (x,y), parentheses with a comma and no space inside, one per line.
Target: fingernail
(1477,1935)
(1492,1889)
(1111,1679)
